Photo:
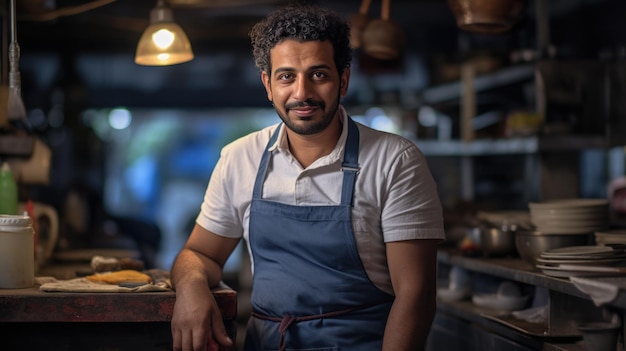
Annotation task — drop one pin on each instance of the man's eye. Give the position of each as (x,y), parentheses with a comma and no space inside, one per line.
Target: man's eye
(285,76)
(319,75)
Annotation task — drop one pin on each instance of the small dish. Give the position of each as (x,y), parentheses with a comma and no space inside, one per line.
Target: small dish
(569,204)
(566,271)
(450,295)
(499,302)
(579,250)
(597,262)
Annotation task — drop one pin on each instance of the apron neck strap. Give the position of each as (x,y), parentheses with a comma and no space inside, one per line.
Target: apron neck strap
(257,192)
(349,166)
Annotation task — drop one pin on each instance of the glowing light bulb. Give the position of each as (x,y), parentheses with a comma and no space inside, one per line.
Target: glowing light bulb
(163,38)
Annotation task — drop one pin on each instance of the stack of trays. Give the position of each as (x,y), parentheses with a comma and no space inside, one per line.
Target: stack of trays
(587,260)
(611,237)
(570,216)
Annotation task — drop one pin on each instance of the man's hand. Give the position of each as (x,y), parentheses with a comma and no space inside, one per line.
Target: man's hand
(197,322)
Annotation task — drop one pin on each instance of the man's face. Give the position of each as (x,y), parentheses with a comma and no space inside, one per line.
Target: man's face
(305,85)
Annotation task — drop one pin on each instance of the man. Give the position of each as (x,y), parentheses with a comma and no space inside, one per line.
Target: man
(342,221)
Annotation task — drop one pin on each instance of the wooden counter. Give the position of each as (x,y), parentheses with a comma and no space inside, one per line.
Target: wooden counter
(34,320)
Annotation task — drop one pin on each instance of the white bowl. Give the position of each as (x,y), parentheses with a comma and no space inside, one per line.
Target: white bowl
(500,302)
(448,295)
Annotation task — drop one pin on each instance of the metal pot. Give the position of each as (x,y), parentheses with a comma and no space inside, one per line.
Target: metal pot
(531,244)
(494,241)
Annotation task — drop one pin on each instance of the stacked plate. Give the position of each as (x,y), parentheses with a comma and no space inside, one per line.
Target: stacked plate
(587,260)
(611,237)
(570,216)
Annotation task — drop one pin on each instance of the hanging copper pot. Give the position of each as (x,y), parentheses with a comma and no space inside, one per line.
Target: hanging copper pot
(383,39)
(486,16)
(358,21)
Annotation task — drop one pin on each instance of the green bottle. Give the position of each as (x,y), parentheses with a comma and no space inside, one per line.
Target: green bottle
(8,191)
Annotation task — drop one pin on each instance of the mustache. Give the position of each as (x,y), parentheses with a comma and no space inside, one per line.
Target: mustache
(305,103)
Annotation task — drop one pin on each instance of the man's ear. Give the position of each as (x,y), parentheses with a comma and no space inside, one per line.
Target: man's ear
(344,81)
(265,78)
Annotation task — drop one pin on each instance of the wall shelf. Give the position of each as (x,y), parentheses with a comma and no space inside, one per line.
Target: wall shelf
(479,147)
(509,146)
(452,91)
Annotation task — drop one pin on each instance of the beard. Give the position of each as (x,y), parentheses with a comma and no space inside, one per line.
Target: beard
(308,127)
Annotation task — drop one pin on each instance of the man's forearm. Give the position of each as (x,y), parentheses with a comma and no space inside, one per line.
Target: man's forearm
(190,266)
(408,324)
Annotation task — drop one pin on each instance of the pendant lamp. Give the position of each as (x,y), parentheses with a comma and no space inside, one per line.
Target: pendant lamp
(163,42)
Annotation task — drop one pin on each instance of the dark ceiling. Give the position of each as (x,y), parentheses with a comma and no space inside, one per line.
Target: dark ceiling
(117,25)
(94,49)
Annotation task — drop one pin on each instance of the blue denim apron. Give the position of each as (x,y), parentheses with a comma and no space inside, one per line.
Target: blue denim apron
(310,290)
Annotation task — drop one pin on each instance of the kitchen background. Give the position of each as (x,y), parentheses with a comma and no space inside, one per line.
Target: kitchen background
(134,146)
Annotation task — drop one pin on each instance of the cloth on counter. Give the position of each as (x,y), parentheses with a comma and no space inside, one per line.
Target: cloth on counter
(601,290)
(161,283)
(84,285)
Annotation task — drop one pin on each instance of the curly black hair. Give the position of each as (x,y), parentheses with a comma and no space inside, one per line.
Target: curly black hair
(302,23)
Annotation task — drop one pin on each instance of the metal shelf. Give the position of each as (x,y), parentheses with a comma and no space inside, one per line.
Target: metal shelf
(509,146)
(503,77)
(478,147)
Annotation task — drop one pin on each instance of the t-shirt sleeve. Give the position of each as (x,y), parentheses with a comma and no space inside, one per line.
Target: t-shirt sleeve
(218,212)
(412,208)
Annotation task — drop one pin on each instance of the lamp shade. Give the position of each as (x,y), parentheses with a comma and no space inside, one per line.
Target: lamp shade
(163,42)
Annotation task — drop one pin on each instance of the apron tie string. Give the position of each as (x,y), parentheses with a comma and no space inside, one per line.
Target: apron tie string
(286,321)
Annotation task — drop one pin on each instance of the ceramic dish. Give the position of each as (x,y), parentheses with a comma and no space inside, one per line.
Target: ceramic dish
(598,223)
(557,272)
(498,302)
(584,212)
(578,215)
(579,250)
(566,271)
(602,240)
(613,232)
(609,256)
(449,295)
(597,262)
(569,203)
(568,230)
(600,269)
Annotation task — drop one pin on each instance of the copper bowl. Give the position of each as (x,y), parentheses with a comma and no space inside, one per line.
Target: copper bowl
(486,16)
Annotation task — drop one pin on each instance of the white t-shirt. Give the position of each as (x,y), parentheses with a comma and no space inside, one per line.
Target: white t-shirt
(395,196)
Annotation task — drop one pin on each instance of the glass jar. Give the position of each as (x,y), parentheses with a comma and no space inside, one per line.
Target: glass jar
(17,253)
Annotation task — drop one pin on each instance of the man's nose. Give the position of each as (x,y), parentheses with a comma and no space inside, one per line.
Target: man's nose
(302,89)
